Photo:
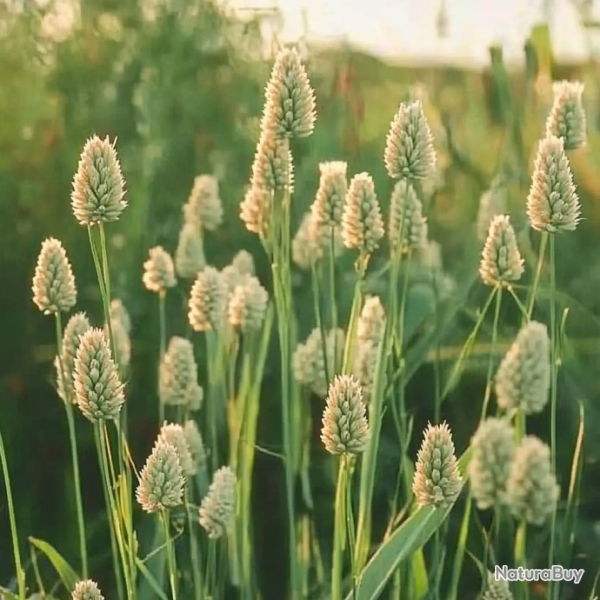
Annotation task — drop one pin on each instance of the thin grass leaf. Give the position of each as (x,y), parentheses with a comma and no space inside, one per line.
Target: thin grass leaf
(67,574)
(155,569)
(156,588)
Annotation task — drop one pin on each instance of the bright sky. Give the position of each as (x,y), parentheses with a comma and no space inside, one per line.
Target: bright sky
(407,28)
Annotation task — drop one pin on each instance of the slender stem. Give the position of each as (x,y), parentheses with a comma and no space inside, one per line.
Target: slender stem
(350,528)
(521,555)
(316,294)
(488,384)
(170,555)
(211,567)
(163,342)
(194,550)
(355,313)
(339,535)
(332,296)
(538,272)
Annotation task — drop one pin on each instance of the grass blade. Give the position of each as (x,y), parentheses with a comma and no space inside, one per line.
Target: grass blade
(66,573)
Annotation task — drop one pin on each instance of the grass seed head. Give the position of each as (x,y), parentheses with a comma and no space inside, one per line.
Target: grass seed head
(98,389)
(248,306)
(567,116)
(273,167)
(77,325)
(173,434)
(501,261)
(345,427)
(53,282)
(217,510)
(189,256)
(159,271)
(371,323)
(195,443)
(118,312)
(255,210)
(208,301)
(87,590)
(365,365)
(243,262)
(98,185)
(437,481)
(305,248)
(161,480)
(496,590)
(407,227)
(492,203)
(204,208)
(532,489)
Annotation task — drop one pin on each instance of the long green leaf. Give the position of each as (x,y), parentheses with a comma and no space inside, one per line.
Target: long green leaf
(143,569)
(67,574)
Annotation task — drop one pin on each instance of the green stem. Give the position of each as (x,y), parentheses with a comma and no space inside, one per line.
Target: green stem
(488,384)
(339,532)
(538,272)
(332,296)
(521,555)
(316,294)
(170,555)
(354,313)
(163,343)
(194,550)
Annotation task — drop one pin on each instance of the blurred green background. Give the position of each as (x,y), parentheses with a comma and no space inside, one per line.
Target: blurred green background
(182,88)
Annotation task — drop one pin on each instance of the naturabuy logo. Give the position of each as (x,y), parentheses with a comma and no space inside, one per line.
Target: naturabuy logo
(556,573)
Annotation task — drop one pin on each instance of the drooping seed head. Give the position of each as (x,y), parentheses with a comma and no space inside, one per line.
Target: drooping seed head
(496,590)
(552,204)
(173,434)
(305,249)
(493,450)
(244,263)
(159,271)
(409,152)
(532,490)
(248,306)
(217,510)
(407,226)
(77,325)
(204,208)
(255,210)
(345,427)
(189,256)
(371,323)
(567,117)
(290,107)
(523,377)
(362,225)
(53,282)
(98,185)
(437,481)
(179,376)
(491,203)
(195,443)
(118,312)
(161,480)
(208,301)
(87,590)
(98,388)
(501,261)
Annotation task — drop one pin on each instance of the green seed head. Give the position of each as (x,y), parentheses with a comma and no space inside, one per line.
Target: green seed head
(173,434)
(208,301)
(87,590)
(248,306)
(567,117)
(195,444)
(217,510)
(77,325)
(189,256)
(204,208)
(501,261)
(496,590)
(492,203)
(159,271)
(407,226)
(179,376)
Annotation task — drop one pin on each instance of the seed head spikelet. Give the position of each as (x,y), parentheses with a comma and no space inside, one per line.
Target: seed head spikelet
(328,206)
(272,168)
(532,490)
(496,590)
(53,282)
(244,263)
(567,117)
(491,203)
(552,204)
(195,443)
(255,210)
(189,256)
(87,590)
(159,271)
(371,323)
(179,376)
(204,208)
(77,325)
(118,312)
(98,389)
(437,481)
(523,377)
(208,301)
(362,225)
(493,450)
(407,226)
(345,427)
(217,510)
(290,107)
(98,185)
(409,151)
(248,306)
(501,261)
(161,480)
(173,434)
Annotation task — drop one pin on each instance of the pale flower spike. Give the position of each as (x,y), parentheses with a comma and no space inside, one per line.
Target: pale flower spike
(87,590)
(501,262)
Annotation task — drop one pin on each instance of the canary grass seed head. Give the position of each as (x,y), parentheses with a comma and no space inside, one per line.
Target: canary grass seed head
(345,427)
(204,208)
(87,590)
(179,376)
(272,168)
(437,481)
(553,204)
(118,312)
(496,590)
(365,365)
(98,185)
(173,434)
(492,203)
(532,490)
(232,278)
(255,210)
(243,262)
(493,450)
(208,301)
(189,256)
(501,261)
(362,224)
(195,443)
(53,288)
(217,510)
(122,343)
(77,325)
(305,249)
(567,118)
(523,377)
(248,306)
(99,391)
(161,480)
(407,226)
(159,271)
(371,323)
(290,106)
(409,151)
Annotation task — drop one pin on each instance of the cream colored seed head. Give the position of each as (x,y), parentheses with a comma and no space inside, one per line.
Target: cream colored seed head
(208,301)
(248,306)
(365,365)
(204,208)
(189,256)
(567,118)
(179,376)
(86,590)
(305,249)
(217,510)
(407,226)
(501,261)
(371,323)
(195,444)
(492,203)
(496,590)
(77,325)
(244,263)
(255,210)
(173,434)
(272,168)
(159,271)
(122,344)
(118,312)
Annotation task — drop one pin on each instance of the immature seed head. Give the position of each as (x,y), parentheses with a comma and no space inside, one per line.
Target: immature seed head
(159,271)
(248,306)
(371,323)
(552,204)
(532,489)
(362,225)
(194,439)
(118,312)
(290,107)
(77,325)
(98,185)
(496,590)
(523,377)
(409,152)
(208,301)
(567,117)
(491,203)
(501,260)
(345,427)
(244,263)
(189,256)
(98,388)
(407,226)
(53,282)
(305,247)
(493,450)
(173,434)
(161,480)
(437,481)
(217,510)
(86,590)
(255,210)
(204,208)
(179,376)
(328,206)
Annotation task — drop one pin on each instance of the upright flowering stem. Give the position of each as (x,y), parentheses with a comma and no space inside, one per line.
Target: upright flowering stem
(339,534)
(163,344)
(172,565)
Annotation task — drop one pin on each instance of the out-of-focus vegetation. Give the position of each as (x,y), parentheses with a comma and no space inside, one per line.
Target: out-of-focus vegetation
(181,85)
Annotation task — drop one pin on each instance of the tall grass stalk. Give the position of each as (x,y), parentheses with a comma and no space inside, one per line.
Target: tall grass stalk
(521,557)
(333,296)
(195,557)
(216,403)
(74,453)
(171,561)
(316,294)
(163,344)
(340,528)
